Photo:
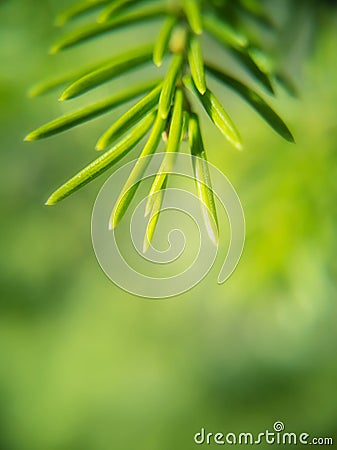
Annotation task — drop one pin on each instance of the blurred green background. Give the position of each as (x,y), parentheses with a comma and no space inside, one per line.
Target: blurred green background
(86,366)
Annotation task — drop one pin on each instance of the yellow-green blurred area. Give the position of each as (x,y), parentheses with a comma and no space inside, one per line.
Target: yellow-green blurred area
(86,366)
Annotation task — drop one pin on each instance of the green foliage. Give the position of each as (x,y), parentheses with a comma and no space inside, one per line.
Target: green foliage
(91,31)
(129,119)
(169,85)
(163,40)
(68,121)
(192,11)
(216,113)
(167,105)
(131,186)
(105,161)
(106,72)
(196,64)
(172,147)
(202,177)
(77,10)
(154,211)
(255,100)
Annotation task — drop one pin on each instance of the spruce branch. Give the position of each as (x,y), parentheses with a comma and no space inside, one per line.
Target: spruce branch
(164,110)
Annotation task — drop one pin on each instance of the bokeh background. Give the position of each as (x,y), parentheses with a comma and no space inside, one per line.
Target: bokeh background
(86,366)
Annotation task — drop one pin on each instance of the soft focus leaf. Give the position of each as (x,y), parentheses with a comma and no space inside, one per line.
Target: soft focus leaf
(73,119)
(152,224)
(78,9)
(287,84)
(93,30)
(238,45)
(169,85)
(257,11)
(105,161)
(141,164)
(253,68)
(192,10)
(163,40)
(115,7)
(216,113)
(119,64)
(224,32)
(45,87)
(127,120)
(202,178)
(261,59)
(172,147)
(184,128)
(256,101)
(196,64)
